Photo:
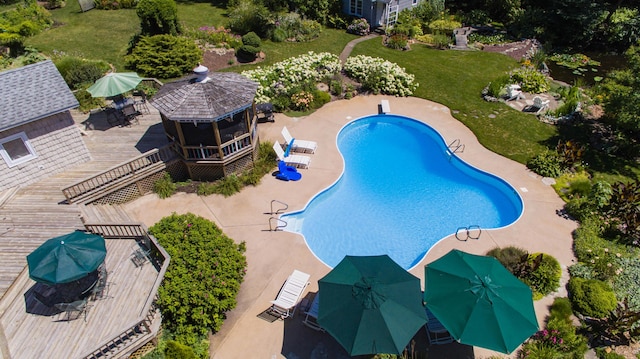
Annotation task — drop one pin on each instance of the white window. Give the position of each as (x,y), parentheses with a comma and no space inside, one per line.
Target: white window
(355,7)
(16,149)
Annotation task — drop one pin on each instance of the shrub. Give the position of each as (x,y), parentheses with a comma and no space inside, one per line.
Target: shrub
(302,100)
(203,277)
(497,87)
(591,297)
(625,283)
(509,257)
(226,186)
(251,39)
(359,27)
(278,35)
(218,37)
(530,80)
(309,30)
(281,80)
(397,41)
(546,164)
(164,56)
(320,98)
(248,53)
(164,187)
(87,102)
(603,354)
(175,350)
(24,20)
(158,17)
(246,16)
(77,72)
(443,26)
(380,76)
(544,279)
(336,87)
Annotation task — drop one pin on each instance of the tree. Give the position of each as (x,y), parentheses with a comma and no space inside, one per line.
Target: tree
(158,17)
(164,56)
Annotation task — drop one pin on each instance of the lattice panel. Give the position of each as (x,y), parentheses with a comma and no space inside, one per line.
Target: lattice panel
(206,172)
(240,165)
(143,350)
(122,195)
(178,171)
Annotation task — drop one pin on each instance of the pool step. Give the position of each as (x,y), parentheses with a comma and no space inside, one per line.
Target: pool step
(294,224)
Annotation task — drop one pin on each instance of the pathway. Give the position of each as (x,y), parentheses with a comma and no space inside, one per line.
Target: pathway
(347,49)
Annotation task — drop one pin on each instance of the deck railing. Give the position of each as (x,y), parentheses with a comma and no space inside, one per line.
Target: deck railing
(240,144)
(142,325)
(101,182)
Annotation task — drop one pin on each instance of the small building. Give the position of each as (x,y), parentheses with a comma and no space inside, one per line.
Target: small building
(38,137)
(377,13)
(210,121)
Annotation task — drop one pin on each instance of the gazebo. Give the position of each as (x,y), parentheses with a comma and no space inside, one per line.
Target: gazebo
(210,121)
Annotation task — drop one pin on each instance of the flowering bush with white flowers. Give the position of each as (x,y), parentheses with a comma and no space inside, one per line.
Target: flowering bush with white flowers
(285,78)
(380,76)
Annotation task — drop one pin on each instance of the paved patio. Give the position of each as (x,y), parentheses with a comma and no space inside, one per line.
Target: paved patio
(272,256)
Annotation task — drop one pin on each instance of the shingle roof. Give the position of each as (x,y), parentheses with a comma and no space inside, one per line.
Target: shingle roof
(32,92)
(219,96)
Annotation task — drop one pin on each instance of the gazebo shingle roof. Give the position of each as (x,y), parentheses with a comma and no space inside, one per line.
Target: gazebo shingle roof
(221,95)
(31,93)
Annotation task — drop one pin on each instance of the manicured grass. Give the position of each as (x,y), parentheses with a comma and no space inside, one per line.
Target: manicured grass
(455,79)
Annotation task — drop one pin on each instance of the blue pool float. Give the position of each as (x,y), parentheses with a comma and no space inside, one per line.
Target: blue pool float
(287,173)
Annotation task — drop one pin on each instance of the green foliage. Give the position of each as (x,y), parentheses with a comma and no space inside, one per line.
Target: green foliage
(620,327)
(251,39)
(510,257)
(23,21)
(158,17)
(164,56)
(175,350)
(87,102)
(78,72)
(603,354)
(573,61)
(625,283)
(497,86)
(278,35)
(359,26)
(489,39)
(232,184)
(164,187)
(246,16)
(559,339)
(624,209)
(217,37)
(397,41)
(443,26)
(624,28)
(248,53)
(336,87)
(546,164)
(203,277)
(591,297)
(545,278)
(530,80)
(320,98)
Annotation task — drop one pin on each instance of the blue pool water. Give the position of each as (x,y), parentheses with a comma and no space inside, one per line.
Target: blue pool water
(401,192)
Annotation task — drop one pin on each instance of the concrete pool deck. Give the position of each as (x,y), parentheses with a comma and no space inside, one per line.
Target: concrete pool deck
(273,255)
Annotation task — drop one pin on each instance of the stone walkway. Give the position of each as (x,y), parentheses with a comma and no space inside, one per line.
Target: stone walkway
(349,47)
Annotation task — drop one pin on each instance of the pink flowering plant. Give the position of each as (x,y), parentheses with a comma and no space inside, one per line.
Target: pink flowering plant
(302,100)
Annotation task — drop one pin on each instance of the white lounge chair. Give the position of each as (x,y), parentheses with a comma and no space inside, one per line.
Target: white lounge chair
(291,160)
(298,145)
(514,93)
(285,304)
(540,104)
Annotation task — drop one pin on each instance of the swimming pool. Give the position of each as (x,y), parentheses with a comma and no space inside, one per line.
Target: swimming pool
(400,193)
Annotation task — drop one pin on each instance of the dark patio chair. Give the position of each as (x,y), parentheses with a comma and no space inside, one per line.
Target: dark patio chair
(142,102)
(140,256)
(114,117)
(75,309)
(130,114)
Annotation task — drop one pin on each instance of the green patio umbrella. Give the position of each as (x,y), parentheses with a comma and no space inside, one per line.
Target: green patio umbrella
(114,83)
(370,305)
(479,301)
(66,258)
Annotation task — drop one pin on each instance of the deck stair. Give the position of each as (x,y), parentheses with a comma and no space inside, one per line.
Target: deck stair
(104,213)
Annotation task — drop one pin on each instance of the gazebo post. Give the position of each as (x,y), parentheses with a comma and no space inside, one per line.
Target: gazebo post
(216,132)
(181,139)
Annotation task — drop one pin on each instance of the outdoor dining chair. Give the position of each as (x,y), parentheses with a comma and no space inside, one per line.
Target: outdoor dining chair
(74,310)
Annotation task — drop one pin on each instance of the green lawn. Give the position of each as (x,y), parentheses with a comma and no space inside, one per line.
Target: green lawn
(455,79)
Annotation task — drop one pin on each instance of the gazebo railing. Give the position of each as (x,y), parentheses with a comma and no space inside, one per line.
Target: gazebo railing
(230,148)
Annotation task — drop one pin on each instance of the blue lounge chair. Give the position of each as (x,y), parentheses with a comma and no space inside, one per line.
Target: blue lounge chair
(287,173)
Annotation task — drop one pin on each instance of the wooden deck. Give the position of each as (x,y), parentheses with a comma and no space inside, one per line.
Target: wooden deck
(37,212)
(32,214)
(42,336)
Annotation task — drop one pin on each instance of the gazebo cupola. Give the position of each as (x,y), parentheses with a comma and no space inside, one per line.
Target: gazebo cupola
(209,119)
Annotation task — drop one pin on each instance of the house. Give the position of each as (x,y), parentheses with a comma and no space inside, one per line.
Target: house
(38,137)
(377,13)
